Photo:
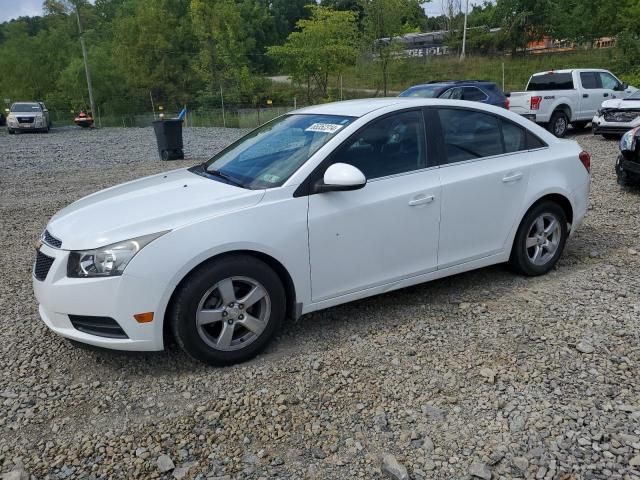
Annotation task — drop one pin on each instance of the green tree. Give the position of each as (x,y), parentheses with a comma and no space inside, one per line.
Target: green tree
(384,22)
(325,44)
(524,21)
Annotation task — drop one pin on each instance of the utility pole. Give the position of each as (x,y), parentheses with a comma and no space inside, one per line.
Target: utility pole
(464,32)
(86,62)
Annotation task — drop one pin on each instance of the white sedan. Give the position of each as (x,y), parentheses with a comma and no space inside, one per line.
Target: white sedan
(323,206)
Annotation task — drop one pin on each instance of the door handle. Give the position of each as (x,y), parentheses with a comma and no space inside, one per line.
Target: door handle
(512,177)
(585,95)
(423,200)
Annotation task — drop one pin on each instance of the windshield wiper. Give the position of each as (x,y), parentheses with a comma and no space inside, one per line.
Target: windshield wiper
(224,176)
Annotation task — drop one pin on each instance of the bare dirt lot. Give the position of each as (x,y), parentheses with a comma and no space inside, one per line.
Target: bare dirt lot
(486,373)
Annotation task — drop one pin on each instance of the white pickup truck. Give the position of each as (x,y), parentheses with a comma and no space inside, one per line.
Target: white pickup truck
(558,98)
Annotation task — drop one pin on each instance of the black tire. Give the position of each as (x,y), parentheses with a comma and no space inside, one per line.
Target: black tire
(558,124)
(520,259)
(11,132)
(199,284)
(623,178)
(611,136)
(166,155)
(579,125)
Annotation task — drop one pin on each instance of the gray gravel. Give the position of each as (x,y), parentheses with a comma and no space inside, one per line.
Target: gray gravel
(486,374)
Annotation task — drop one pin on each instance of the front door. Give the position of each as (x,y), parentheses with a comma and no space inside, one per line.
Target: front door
(387,230)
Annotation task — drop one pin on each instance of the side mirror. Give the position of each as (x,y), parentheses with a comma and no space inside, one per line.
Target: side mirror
(625,85)
(341,177)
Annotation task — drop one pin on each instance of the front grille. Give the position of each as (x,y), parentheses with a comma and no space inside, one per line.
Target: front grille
(99,326)
(51,240)
(42,266)
(25,119)
(622,116)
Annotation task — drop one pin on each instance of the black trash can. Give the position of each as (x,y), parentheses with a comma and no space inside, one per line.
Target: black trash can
(169,137)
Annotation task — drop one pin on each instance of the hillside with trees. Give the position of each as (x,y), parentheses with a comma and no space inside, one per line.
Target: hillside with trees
(180,52)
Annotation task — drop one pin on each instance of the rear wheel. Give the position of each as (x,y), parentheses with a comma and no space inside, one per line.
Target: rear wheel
(228,310)
(558,124)
(540,239)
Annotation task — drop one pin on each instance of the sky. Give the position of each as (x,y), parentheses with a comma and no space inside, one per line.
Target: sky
(18,8)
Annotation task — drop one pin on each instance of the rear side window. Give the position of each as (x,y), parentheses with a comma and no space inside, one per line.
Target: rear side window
(551,81)
(469,135)
(515,138)
(534,142)
(590,80)
(454,93)
(474,94)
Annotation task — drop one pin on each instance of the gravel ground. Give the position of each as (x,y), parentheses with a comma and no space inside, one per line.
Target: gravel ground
(486,373)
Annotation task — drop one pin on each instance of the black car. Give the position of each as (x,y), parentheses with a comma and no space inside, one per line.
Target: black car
(628,163)
(473,90)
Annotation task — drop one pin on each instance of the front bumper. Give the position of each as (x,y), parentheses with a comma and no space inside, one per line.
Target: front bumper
(626,167)
(118,298)
(600,126)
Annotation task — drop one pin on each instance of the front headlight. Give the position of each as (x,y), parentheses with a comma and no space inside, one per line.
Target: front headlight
(109,261)
(628,140)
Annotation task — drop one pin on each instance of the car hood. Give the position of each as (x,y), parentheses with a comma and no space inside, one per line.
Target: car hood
(149,205)
(621,103)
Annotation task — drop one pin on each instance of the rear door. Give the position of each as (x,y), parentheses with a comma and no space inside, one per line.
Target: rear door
(484,174)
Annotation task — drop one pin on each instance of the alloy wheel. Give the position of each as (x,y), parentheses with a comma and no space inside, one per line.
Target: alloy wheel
(543,239)
(233,313)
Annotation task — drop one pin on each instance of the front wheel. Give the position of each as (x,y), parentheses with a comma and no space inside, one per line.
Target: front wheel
(540,239)
(228,310)
(11,132)
(558,124)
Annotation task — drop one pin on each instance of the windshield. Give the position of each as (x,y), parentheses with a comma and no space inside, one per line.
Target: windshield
(268,156)
(25,107)
(421,92)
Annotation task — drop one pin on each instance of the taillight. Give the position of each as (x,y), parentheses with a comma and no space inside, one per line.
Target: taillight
(535,102)
(585,158)
(506,103)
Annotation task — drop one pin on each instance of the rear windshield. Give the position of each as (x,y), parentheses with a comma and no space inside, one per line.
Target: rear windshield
(551,81)
(25,107)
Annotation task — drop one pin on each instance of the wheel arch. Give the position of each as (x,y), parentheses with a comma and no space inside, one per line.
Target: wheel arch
(563,107)
(293,310)
(558,198)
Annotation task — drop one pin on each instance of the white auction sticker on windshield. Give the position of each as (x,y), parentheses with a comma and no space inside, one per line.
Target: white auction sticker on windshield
(324,128)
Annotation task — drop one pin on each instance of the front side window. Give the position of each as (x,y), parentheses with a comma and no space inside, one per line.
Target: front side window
(608,81)
(269,155)
(391,145)
(454,93)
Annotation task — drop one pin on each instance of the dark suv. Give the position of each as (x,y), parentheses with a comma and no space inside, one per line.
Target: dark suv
(472,90)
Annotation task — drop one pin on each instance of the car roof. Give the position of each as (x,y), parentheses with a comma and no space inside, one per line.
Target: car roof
(569,70)
(446,83)
(351,108)
(361,107)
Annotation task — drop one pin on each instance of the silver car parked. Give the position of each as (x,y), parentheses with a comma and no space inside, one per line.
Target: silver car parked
(28,116)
